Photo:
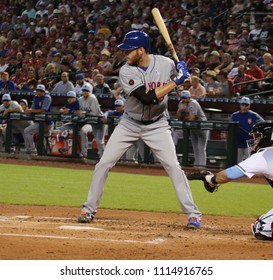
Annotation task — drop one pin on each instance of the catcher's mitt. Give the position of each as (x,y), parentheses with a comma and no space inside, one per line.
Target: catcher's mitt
(201,175)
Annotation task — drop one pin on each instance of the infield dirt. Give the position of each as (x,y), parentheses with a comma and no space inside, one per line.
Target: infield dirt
(42,232)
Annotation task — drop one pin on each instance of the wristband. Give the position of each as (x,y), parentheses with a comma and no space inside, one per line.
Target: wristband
(213,180)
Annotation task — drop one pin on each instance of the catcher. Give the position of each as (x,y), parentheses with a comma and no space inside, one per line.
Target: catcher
(260,162)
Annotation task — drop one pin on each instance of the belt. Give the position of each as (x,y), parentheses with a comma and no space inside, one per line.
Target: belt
(145,122)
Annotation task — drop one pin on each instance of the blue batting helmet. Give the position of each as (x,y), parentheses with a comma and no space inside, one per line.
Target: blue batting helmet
(135,40)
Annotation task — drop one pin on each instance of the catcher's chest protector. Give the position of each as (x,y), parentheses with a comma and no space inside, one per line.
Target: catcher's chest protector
(264,225)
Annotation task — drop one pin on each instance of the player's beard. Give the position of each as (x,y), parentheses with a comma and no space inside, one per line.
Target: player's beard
(134,61)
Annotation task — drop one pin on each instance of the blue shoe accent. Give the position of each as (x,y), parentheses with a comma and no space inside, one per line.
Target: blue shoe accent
(194,223)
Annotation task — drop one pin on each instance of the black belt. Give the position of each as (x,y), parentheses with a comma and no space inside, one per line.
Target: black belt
(145,122)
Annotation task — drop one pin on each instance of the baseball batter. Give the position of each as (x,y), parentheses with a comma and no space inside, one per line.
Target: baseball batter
(146,80)
(260,162)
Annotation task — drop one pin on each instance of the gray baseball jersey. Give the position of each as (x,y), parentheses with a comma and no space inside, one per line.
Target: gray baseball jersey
(159,72)
(90,105)
(133,126)
(199,138)
(194,108)
(13,105)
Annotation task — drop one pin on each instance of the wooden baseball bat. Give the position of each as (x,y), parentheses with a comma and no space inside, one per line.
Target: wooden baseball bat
(163,29)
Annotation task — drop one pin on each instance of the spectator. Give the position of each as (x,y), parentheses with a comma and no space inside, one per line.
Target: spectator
(40,105)
(225,87)
(189,58)
(56,61)
(118,61)
(105,63)
(5,83)
(254,34)
(7,24)
(12,51)
(197,90)
(89,105)
(234,70)
(226,63)
(51,76)
(267,67)
(254,70)
(232,40)
(18,78)
(101,87)
(3,49)
(262,50)
(219,37)
(3,65)
(213,60)
(13,64)
(41,10)
(80,81)
(29,11)
(93,62)
(246,118)
(41,76)
(190,110)
(210,83)
(238,6)
(31,82)
(267,30)
(242,77)
(64,85)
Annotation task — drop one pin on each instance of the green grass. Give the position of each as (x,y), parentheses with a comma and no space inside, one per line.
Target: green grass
(36,185)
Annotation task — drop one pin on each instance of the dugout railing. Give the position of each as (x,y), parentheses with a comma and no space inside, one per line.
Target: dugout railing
(228,157)
(220,153)
(221,105)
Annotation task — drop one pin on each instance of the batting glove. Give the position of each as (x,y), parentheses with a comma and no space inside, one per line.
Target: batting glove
(182,75)
(179,65)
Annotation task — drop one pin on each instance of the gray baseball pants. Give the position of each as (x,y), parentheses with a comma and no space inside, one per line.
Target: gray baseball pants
(158,137)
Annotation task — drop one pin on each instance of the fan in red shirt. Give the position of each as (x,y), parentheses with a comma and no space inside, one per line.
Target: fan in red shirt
(254,70)
(189,58)
(240,78)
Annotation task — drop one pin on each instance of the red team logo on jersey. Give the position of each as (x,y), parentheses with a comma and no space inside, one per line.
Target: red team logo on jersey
(249,121)
(131,82)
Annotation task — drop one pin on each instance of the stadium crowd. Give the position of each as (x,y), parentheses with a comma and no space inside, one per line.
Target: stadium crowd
(222,41)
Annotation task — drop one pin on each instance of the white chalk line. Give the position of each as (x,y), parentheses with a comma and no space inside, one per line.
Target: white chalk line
(154,241)
(80,228)
(64,227)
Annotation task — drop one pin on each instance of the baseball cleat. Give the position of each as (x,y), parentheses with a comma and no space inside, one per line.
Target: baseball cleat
(85,217)
(194,223)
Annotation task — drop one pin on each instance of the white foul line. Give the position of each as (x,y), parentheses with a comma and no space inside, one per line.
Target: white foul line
(155,241)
